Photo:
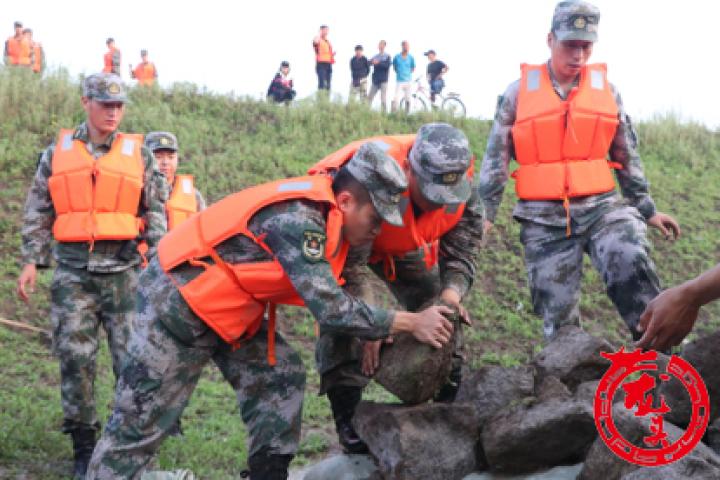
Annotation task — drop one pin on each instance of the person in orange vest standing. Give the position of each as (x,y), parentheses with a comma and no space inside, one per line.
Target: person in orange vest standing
(210,295)
(185,199)
(145,73)
(95,195)
(566,126)
(112,58)
(37,56)
(430,258)
(18,50)
(324,58)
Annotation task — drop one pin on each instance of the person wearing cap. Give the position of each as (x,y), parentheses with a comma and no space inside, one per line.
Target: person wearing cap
(566,126)
(96,193)
(18,50)
(112,58)
(404,66)
(324,58)
(381,71)
(210,294)
(184,200)
(359,71)
(435,71)
(430,258)
(145,73)
(37,55)
(281,87)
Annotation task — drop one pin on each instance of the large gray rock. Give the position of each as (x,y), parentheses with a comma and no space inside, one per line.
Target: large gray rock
(704,355)
(434,441)
(573,356)
(342,467)
(713,436)
(413,371)
(603,464)
(527,438)
(693,469)
(565,472)
(492,388)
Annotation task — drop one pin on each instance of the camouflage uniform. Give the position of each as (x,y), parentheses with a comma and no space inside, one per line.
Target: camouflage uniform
(338,357)
(170,344)
(610,230)
(89,287)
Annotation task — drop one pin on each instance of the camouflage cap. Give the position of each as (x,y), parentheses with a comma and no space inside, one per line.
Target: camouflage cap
(440,158)
(575,20)
(382,177)
(104,87)
(161,141)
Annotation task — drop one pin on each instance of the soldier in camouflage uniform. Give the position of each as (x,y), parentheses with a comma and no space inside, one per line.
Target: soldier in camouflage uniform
(94,282)
(345,363)
(171,343)
(610,230)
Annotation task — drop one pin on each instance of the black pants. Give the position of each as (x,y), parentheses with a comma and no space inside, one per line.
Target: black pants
(324,74)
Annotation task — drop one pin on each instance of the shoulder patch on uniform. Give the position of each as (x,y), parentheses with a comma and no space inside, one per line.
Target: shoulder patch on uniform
(313,245)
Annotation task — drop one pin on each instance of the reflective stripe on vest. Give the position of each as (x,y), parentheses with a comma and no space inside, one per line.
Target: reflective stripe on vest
(416,233)
(562,145)
(96,199)
(182,202)
(232,298)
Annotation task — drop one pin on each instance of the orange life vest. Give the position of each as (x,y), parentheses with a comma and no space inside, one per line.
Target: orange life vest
(323,51)
(232,298)
(416,233)
(145,73)
(19,51)
(108,60)
(562,145)
(96,199)
(182,202)
(37,57)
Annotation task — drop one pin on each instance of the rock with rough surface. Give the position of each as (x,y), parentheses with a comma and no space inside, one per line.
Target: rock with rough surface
(343,467)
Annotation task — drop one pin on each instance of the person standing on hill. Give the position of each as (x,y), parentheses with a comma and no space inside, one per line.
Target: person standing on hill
(18,50)
(324,58)
(561,121)
(112,58)
(404,65)
(435,71)
(359,70)
(37,57)
(145,73)
(381,71)
(96,193)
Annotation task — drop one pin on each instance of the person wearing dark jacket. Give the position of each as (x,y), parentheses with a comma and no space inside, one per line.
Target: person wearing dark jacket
(281,87)
(381,69)
(359,69)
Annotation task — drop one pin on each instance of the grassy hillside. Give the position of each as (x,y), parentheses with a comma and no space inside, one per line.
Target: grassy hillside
(230,143)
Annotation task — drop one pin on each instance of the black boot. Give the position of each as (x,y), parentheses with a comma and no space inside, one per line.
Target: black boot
(83,445)
(265,466)
(448,391)
(343,401)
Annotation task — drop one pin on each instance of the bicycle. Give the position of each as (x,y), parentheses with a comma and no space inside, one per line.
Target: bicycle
(420,99)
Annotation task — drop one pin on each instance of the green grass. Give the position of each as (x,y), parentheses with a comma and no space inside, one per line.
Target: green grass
(230,143)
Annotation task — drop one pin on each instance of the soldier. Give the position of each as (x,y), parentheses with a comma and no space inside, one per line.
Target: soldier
(97,192)
(206,295)
(37,58)
(431,256)
(18,50)
(560,121)
(112,58)
(184,199)
(145,72)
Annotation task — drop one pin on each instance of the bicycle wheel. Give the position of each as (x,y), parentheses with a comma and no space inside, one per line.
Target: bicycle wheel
(417,104)
(454,106)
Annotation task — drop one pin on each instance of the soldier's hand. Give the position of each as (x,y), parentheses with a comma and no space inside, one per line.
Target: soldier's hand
(452,298)
(668,318)
(371,356)
(430,326)
(666,224)
(27,276)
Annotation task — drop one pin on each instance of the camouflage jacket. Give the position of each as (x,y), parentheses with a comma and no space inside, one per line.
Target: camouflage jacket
(285,227)
(39,216)
(583,210)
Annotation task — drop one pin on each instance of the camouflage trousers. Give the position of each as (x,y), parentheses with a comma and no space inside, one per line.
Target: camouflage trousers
(169,346)
(339,357)
(80,302)
(617,245)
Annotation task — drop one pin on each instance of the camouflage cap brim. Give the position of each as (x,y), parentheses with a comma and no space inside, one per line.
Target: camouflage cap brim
(443,189)
(389,211)
(568,35)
